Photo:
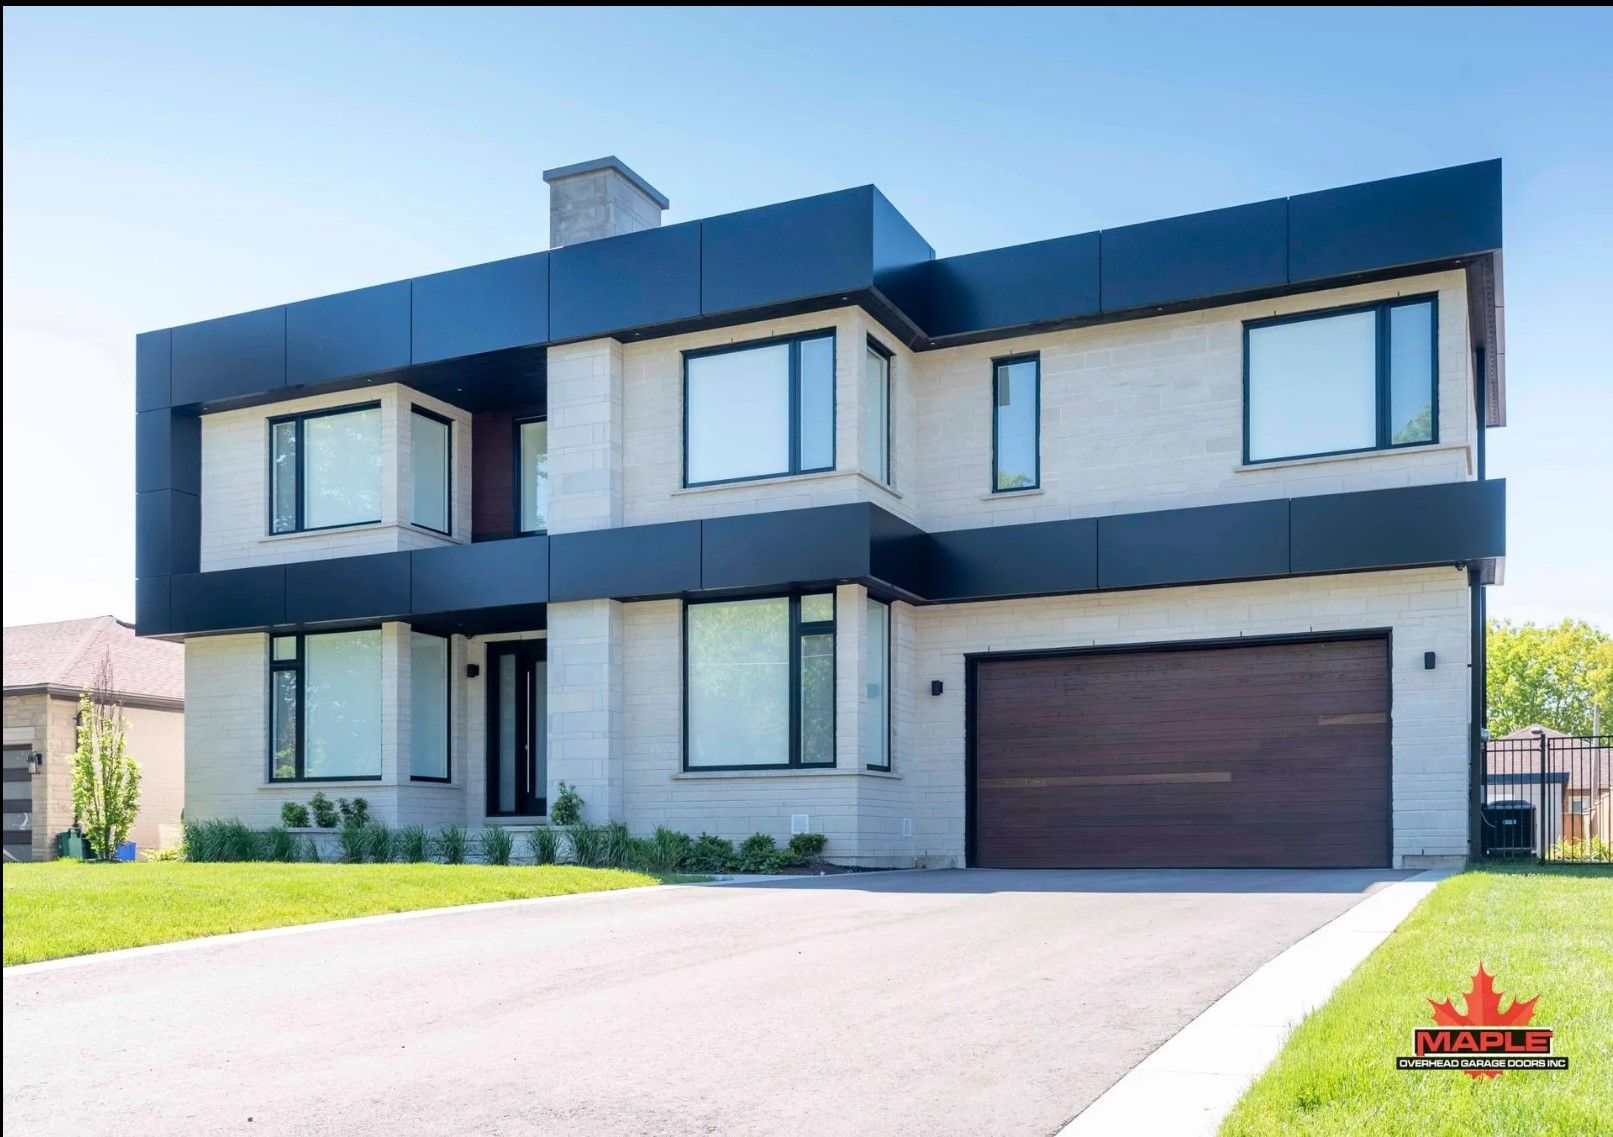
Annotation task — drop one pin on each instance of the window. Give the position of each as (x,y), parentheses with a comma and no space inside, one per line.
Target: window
(759,681)
(532,475)
(876,435)
(430,456)
(1348,380)
(758,411)
(1016,412)
(876,716)
(325,469)
(325,693)
(428,707)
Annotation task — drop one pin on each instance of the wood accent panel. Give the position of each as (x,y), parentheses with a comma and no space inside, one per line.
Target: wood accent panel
(1261,755)
(492,507)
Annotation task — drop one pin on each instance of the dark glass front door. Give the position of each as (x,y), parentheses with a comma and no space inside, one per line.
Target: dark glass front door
(517,728)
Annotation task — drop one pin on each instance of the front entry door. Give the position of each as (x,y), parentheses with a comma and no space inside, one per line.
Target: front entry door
(517,735)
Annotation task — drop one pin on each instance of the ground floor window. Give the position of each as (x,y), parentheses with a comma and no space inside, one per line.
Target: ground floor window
(876,716)
(759,679)
(325,700)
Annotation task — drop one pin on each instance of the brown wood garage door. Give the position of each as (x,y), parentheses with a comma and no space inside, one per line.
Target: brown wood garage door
(1261,755)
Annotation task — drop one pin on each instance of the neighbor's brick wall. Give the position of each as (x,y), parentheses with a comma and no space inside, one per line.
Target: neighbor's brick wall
(27,723)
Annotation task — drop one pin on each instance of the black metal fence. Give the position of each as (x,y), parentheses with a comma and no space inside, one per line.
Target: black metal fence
(1547,796)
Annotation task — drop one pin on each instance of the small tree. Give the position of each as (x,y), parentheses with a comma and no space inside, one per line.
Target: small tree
(106,781)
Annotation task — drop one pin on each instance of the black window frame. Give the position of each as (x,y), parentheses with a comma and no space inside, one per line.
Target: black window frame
(515,472)
(997,366)
(1382,378)
(428,413)
(794,341)
(888,476)
(296,665)
(798,631)
(301,471)
(448,704)
(890,656)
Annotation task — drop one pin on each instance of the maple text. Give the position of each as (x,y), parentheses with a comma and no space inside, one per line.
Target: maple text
(1482,1041)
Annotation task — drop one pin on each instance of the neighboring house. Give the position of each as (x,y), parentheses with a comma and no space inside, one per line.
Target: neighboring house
(47,668)
(1572,776)
(1164,545)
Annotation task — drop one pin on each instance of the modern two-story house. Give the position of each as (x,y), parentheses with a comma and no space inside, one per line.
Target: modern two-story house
(1164,545)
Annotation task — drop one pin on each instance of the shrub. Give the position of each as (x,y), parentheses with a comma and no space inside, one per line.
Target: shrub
(177,853)
(806,847)
(567,806)
(544,845)
(279,844)
(1589,849)
(758,853)
(379,842)
(587,844)
(293,815)
(668,850)
(412,845)
(221,839)
(710,854)
(325,815)
(497,845)
(451,845)
(619,851)
(353,844)
(310,850)
(355,813)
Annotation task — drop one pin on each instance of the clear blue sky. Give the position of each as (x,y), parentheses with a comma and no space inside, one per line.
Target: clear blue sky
(168,166)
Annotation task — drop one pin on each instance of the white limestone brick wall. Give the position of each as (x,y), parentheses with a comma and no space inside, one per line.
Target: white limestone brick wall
(587,703)
(585,435)
(1148,414)
(235,484)
(1426,609)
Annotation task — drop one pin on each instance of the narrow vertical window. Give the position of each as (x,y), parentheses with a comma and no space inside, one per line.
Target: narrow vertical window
(876,716)
(816,445)
(816,646)
(1016,446)
(1411,373)
(430,456)
(283,476)
(532,491)
(876,432)
(428,707)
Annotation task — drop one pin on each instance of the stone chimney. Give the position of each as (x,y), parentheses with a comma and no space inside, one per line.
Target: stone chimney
(601,198)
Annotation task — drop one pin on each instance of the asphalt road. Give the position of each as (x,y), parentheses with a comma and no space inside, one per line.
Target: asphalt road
(968,1002)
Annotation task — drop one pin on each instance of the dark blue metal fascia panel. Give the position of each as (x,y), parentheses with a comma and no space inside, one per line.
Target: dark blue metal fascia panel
(777,254)
(1431,216)
(152,610)
(488,574)
(167,451)
(229,599)
(637,561)
(1222,252)
(901,257)
(795,546)
(1449,523)
(1022,285)
(372,587)
(351,333)
(229,357)
(997,561)
(634,281)
(153,363)
(482,308)
(167,532)
(1198,545)
(898,552)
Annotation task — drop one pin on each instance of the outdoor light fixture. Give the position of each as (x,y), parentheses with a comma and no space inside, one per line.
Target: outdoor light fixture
(472,670)
(1428,661)
(36,761)
(935,686)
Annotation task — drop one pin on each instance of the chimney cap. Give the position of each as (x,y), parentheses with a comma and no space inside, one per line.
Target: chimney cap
(608,162)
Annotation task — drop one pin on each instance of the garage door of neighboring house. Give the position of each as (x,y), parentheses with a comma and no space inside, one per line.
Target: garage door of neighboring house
(19,805)
(1244,755)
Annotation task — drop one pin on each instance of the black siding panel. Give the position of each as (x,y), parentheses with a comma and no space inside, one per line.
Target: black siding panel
(482,308)
(796,546)
(1414,525)
(353,333)
(900,258)
(632,281)
(233,356)
(167,532)
(1201,255)
(153,360)
(1184,546)
(167,451)
(1398,221)
(348,588)
(1024,284)
(152,611)
(898,552)
(230,599)
(636,561)
(1014,560)
(486,575)
(792,251)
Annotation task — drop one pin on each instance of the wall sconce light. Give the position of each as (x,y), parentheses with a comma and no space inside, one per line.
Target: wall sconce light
(36,762)
(472,670)
(935,686)
(1428,661)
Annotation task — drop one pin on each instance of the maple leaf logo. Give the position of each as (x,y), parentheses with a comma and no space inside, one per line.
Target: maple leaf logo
(1483,1008)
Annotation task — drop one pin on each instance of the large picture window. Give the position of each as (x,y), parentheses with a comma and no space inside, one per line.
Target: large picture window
(431,463)
(759,410)
(1338,382)
(428,707)
(532,475)
(325,469)
(325,696)
(1016,444)
(759,679)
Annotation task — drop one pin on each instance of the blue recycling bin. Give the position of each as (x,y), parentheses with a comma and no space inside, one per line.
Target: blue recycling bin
(125,852)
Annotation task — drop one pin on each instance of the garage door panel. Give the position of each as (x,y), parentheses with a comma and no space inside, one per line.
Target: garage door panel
(1263,755)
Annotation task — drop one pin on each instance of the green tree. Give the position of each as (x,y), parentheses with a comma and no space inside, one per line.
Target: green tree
(1552,675)
(106,781)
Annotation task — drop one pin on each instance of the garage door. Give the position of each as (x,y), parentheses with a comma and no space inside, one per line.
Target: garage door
(1261,755)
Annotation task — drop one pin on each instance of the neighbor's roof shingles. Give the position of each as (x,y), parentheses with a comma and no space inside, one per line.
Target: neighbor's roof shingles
(67,655)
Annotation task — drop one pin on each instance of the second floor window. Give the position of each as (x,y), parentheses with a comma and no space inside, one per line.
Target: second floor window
(759,410)
(325,469)
(431,457)
(1016,450)
(532,475)
(1348,380)
(877,413)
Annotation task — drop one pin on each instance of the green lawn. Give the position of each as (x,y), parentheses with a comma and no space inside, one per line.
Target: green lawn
(1539,931)
(67,908)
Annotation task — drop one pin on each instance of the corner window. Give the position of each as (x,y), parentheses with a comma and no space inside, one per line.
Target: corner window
(876,432)
(431,461)
(325,469)
(759,680)
(760,410)
(1016,445)
(876,716)
(532,475)
(428,707)
(1348,380)
(325,699)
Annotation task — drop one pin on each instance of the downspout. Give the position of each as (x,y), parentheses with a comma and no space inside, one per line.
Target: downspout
(1478,632)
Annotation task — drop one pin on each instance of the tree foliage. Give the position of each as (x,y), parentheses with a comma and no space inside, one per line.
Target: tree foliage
(1551,675)
(106,781)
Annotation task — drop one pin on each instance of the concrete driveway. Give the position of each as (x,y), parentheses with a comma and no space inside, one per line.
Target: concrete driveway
(969,1002)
